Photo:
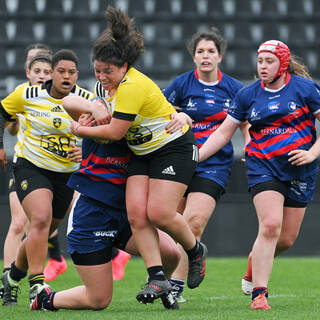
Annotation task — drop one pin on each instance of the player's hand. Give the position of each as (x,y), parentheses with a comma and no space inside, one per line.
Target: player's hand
(75,153)
(86,120)
(300,157)
(3,159)
(178,122)
(100,111)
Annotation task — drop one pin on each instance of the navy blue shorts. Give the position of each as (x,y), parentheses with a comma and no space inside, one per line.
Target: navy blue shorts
(297,193)
(93,229)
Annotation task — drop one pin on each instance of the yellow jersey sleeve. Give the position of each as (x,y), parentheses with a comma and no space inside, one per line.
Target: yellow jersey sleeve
(139,100)
(14,102)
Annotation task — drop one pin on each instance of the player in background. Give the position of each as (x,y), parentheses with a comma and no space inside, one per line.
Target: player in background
(56,263)
(281,158)
(42,166)
(38,71)
(205,94)
(18,227)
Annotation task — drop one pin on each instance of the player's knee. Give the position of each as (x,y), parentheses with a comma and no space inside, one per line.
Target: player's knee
(270,229)
(100,303)
(17,228)
(196,227)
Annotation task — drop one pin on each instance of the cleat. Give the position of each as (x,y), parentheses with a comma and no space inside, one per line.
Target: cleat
(10,290)
(45,294)
(36,289)
(246,282)
(260,302)
(179,297)
(248,275)
(1,292)
(197,268)
(54,268)
(119,264)
(154,290)
(169,301)
(177,290)
(246,287)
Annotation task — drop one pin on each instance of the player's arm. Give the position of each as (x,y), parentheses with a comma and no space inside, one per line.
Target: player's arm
(116,130)
(218,138)
(76,106)
(301,157)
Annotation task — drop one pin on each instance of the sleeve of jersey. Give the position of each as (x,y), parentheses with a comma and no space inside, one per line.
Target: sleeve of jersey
(13,104)
(237,110)
(314,99)
(129,101)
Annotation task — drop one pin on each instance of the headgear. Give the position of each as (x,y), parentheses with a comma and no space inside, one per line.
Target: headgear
(279,49)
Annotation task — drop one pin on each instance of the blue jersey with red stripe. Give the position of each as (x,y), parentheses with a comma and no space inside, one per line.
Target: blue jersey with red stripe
(103,172)
(206,104)
(281,120)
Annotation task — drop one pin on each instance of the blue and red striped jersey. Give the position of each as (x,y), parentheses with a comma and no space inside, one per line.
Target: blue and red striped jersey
(207,105)
(281,120)
(103,172)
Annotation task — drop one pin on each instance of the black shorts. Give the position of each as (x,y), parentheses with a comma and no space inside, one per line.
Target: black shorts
(29,177)
(207,186)
(281,187)
(12,184)
(175,161)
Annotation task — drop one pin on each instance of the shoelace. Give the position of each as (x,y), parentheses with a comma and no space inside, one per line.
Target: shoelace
(14,291)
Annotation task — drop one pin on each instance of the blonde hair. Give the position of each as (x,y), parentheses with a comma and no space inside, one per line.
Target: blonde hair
(298,68)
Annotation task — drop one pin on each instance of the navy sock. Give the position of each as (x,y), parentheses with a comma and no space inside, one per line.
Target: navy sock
(48,302)
(259,290)
(156,273)
(177,283)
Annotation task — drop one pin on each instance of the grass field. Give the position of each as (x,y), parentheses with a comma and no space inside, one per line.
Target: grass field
(294,294)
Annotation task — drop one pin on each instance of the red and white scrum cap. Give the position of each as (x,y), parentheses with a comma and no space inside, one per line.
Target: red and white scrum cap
(280,50)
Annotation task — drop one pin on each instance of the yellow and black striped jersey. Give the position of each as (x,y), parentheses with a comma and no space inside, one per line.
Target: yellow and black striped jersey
(45,135)
(22,123)
(140,100)
(99,91)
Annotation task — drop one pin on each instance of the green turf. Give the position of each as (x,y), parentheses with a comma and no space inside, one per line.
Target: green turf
(294,294)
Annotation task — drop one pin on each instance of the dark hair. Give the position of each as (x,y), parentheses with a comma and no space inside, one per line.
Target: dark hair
(64,54)
(120,42)
(212,34)
(41,57)
(40,46)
